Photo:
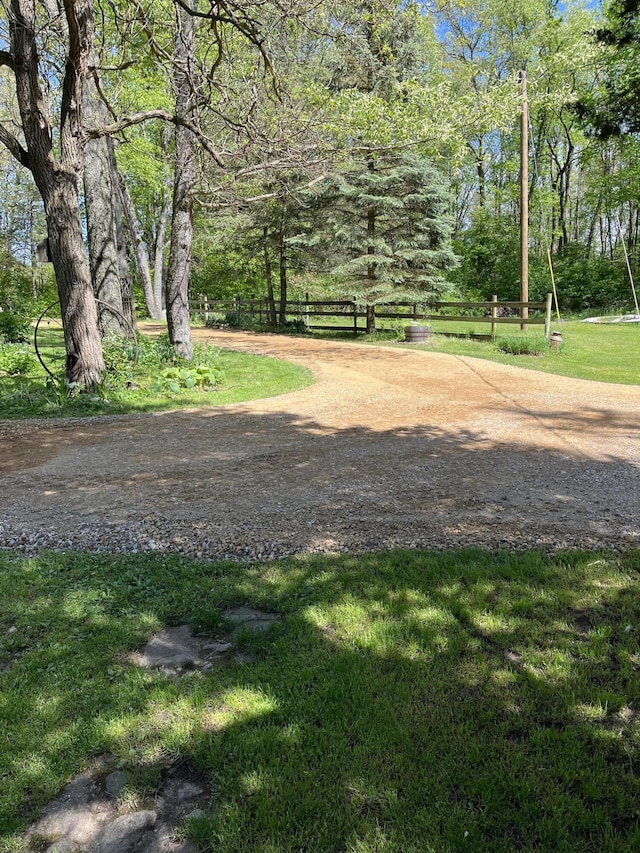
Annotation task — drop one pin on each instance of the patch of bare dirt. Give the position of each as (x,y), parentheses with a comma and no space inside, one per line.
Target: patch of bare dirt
(390,447)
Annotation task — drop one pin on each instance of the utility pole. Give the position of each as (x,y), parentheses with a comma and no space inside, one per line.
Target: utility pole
(524,200)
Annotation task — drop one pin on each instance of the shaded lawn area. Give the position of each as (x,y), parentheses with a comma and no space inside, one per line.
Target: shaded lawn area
(406,701)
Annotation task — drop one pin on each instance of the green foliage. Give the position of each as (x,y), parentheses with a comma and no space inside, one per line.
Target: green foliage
(120,354)
(16,359)
(586,281)
(489,258)
(384,227)
(226,271)
(489,251)
(523,344)
(240,320)
(613,108)
(15,327)
(176,379)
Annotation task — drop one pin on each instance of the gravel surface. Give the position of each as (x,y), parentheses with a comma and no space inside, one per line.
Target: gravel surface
(389,447)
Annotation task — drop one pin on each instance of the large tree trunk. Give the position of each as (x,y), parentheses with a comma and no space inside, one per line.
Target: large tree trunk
(140,250)
(59,182)
(78,307)
(177,286)
(99,200)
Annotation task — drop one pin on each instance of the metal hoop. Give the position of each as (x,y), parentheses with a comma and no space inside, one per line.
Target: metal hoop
(117,314)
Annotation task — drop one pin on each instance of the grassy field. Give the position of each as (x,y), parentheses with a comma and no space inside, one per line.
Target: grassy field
(406,701)
(602,352)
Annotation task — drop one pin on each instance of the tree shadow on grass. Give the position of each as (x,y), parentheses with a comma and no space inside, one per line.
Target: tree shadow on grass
(407,701)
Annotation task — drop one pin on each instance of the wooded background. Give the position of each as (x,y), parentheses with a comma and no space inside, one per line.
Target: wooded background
(365,150)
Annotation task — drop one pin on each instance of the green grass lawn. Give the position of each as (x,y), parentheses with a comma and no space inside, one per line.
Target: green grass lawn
(244,377)
(602,352)
(407,701)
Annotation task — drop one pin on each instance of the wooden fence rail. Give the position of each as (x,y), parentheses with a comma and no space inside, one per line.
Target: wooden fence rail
(493,312)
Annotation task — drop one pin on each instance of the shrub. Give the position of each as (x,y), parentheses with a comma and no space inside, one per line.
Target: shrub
(120,355)
(174,380)
(14,327)
(523,345)
(16,359)
(239,320)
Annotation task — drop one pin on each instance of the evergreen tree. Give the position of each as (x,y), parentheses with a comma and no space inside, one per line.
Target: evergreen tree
(386,229)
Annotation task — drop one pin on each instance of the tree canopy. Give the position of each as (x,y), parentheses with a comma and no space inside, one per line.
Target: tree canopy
(269,131)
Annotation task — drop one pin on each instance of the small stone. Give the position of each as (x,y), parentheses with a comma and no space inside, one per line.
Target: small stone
(188,791)
(218,648)
(115,783)
(12,630)
(121,835)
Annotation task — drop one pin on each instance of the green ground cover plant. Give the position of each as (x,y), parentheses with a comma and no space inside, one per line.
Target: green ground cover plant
(406,701)
(141,377)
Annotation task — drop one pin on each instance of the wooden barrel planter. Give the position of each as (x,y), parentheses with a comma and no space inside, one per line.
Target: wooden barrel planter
(415,334)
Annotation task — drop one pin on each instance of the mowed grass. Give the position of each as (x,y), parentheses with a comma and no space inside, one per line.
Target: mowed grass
(600,352)
(406,701)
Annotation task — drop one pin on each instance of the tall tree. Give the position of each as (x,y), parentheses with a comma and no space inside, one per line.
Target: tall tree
(58,173)
(387,229)
(100,201)
(186,94)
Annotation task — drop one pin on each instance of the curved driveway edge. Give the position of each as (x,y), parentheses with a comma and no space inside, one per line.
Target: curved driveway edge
(390,447)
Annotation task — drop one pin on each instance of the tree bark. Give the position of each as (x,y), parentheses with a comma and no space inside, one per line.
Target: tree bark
(161,235)
(126,285)
(140,250)
(268,272)
(282,253)
(59,181)
(99,200)
(177,286)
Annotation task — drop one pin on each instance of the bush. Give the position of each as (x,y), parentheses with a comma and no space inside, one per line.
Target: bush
(523,345)
(120,354)
(240,320)
(14,327)
(16,359)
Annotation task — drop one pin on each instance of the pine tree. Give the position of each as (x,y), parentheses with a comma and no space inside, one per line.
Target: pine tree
(386,230)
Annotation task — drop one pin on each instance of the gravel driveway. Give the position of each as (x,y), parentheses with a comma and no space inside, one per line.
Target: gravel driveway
(389,447)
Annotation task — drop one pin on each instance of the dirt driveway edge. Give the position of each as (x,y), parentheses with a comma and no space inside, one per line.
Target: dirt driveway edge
(390,447)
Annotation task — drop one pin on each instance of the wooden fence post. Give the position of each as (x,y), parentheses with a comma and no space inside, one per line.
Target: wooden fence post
(494,314)
(547,317)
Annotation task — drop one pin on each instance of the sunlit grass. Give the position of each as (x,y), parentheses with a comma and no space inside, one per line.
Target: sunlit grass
(405,701)
(245,377)
(604,353)
(599,352)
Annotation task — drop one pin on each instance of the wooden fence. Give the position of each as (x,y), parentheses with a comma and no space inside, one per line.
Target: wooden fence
(349,313)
